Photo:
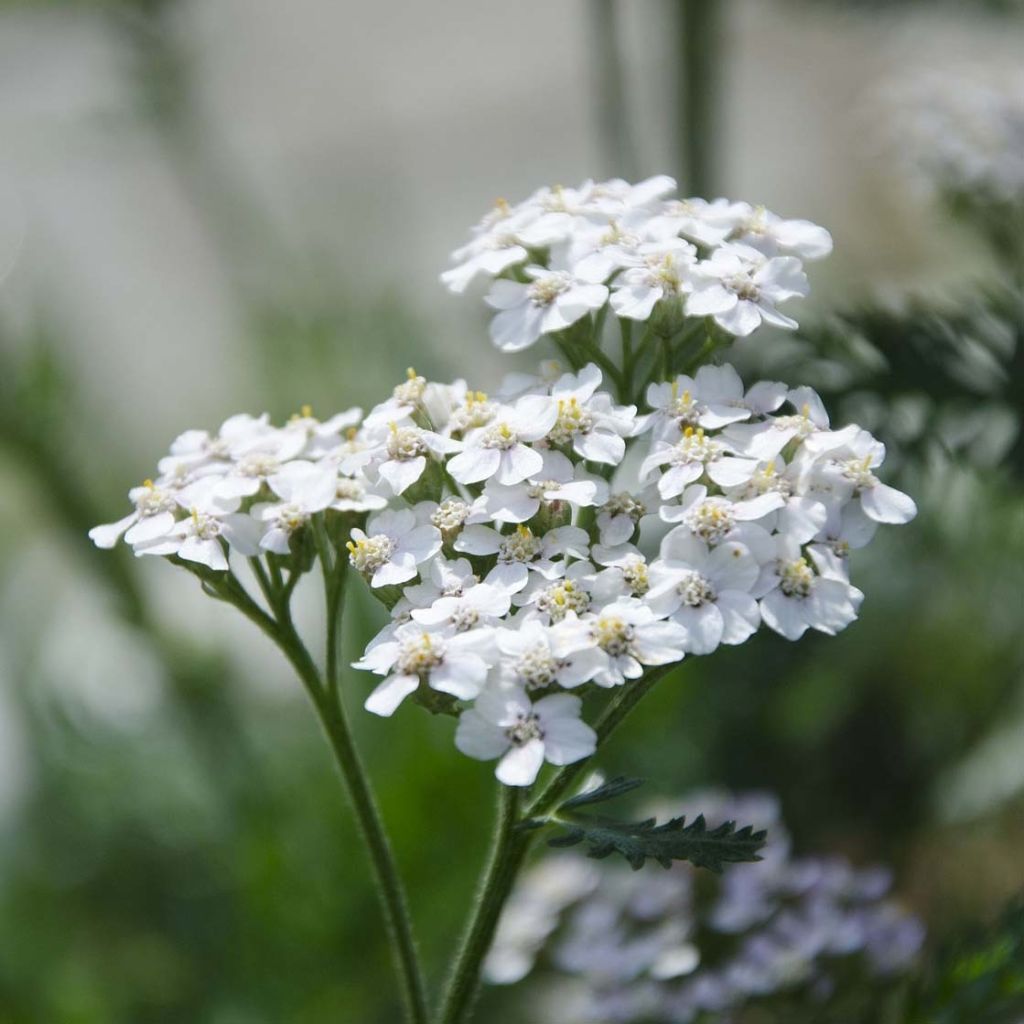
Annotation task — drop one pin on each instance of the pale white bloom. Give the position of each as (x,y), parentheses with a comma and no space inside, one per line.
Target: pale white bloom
(795,597)
(481,604)
(393,547)
(405,452)
(707,223)
(552,301)
(446,661)
(504,724)
(559,485)
(619,517)
(740,288)
(529,661)
(766,231)
(847,471)
(627,633)
(211,521)
(768,438)
(661,271)
(500,451)
(693,456)
(587,421)
(305,488)
(625,573)
(354,494)
(521,551)
(553,600)
(153,517)
(705,590)
(712,399)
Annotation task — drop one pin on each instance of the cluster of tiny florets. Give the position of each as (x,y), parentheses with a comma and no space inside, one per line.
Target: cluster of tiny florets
(565,253)
(660,947)
(523,558)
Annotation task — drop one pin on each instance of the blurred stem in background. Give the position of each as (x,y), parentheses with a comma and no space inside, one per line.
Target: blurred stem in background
(618,151)
(699,65)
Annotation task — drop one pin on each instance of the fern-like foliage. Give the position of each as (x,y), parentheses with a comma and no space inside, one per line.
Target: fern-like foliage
(638,841)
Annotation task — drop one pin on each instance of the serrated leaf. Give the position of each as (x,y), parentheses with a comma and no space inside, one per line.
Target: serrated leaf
(608,791)
(674,840)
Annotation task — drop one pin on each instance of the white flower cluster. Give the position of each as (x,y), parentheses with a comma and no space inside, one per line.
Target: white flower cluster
(961,130)
(567,252)
(539,582)
(658,947)
(249,488)
(524,557)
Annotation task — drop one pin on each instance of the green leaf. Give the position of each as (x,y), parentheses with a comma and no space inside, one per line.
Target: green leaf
(637,841)
(671,841)
(608,791)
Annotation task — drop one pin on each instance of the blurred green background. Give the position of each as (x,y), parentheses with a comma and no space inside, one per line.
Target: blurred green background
(221,205)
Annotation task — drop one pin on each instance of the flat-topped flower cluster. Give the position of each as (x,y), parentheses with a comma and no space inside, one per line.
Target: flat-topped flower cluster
(633,947)
(565,253)
(523,556)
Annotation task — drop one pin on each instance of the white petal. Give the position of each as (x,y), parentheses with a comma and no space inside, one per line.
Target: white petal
(519,767)
(885,504)
(389,694)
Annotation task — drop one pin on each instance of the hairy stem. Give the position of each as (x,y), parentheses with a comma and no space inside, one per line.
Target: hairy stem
(324,694)
(506,858)
(509,850)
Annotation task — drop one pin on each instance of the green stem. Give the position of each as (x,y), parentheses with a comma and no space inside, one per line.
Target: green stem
(509,849)
(700,65)
(613,715)
(326,699)
(506,858)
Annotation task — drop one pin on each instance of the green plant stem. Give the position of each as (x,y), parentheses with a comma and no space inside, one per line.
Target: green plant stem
(325,696)
(506,858)
(509,850)
(699,71)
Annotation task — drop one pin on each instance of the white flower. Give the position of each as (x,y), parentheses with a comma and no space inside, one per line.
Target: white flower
(393,547)
(211,522)
(769,233)
(306,436)
(589,422)
(796,597)
(522,550)
(708,223)
(494,249)
(626,573)
(528,660)
(619,517)
(481,604)
(627,633)
(716,518)
(239,435)
(500,450)
(848,470)
(552,301)
(559,485)
(706,590)
(353,494)
(407,449)
(768,438)
(740,287)
(661,273)
(553,600)
(153,517)
(305,489)
(712,399)
(448,662)
(690,458)
(504,724)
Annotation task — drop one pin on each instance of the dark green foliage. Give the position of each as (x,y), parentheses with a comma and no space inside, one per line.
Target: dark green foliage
(981,981)
(637,841)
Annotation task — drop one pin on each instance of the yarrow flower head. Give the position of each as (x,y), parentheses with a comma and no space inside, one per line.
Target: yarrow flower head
(581,528)
(637,251)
